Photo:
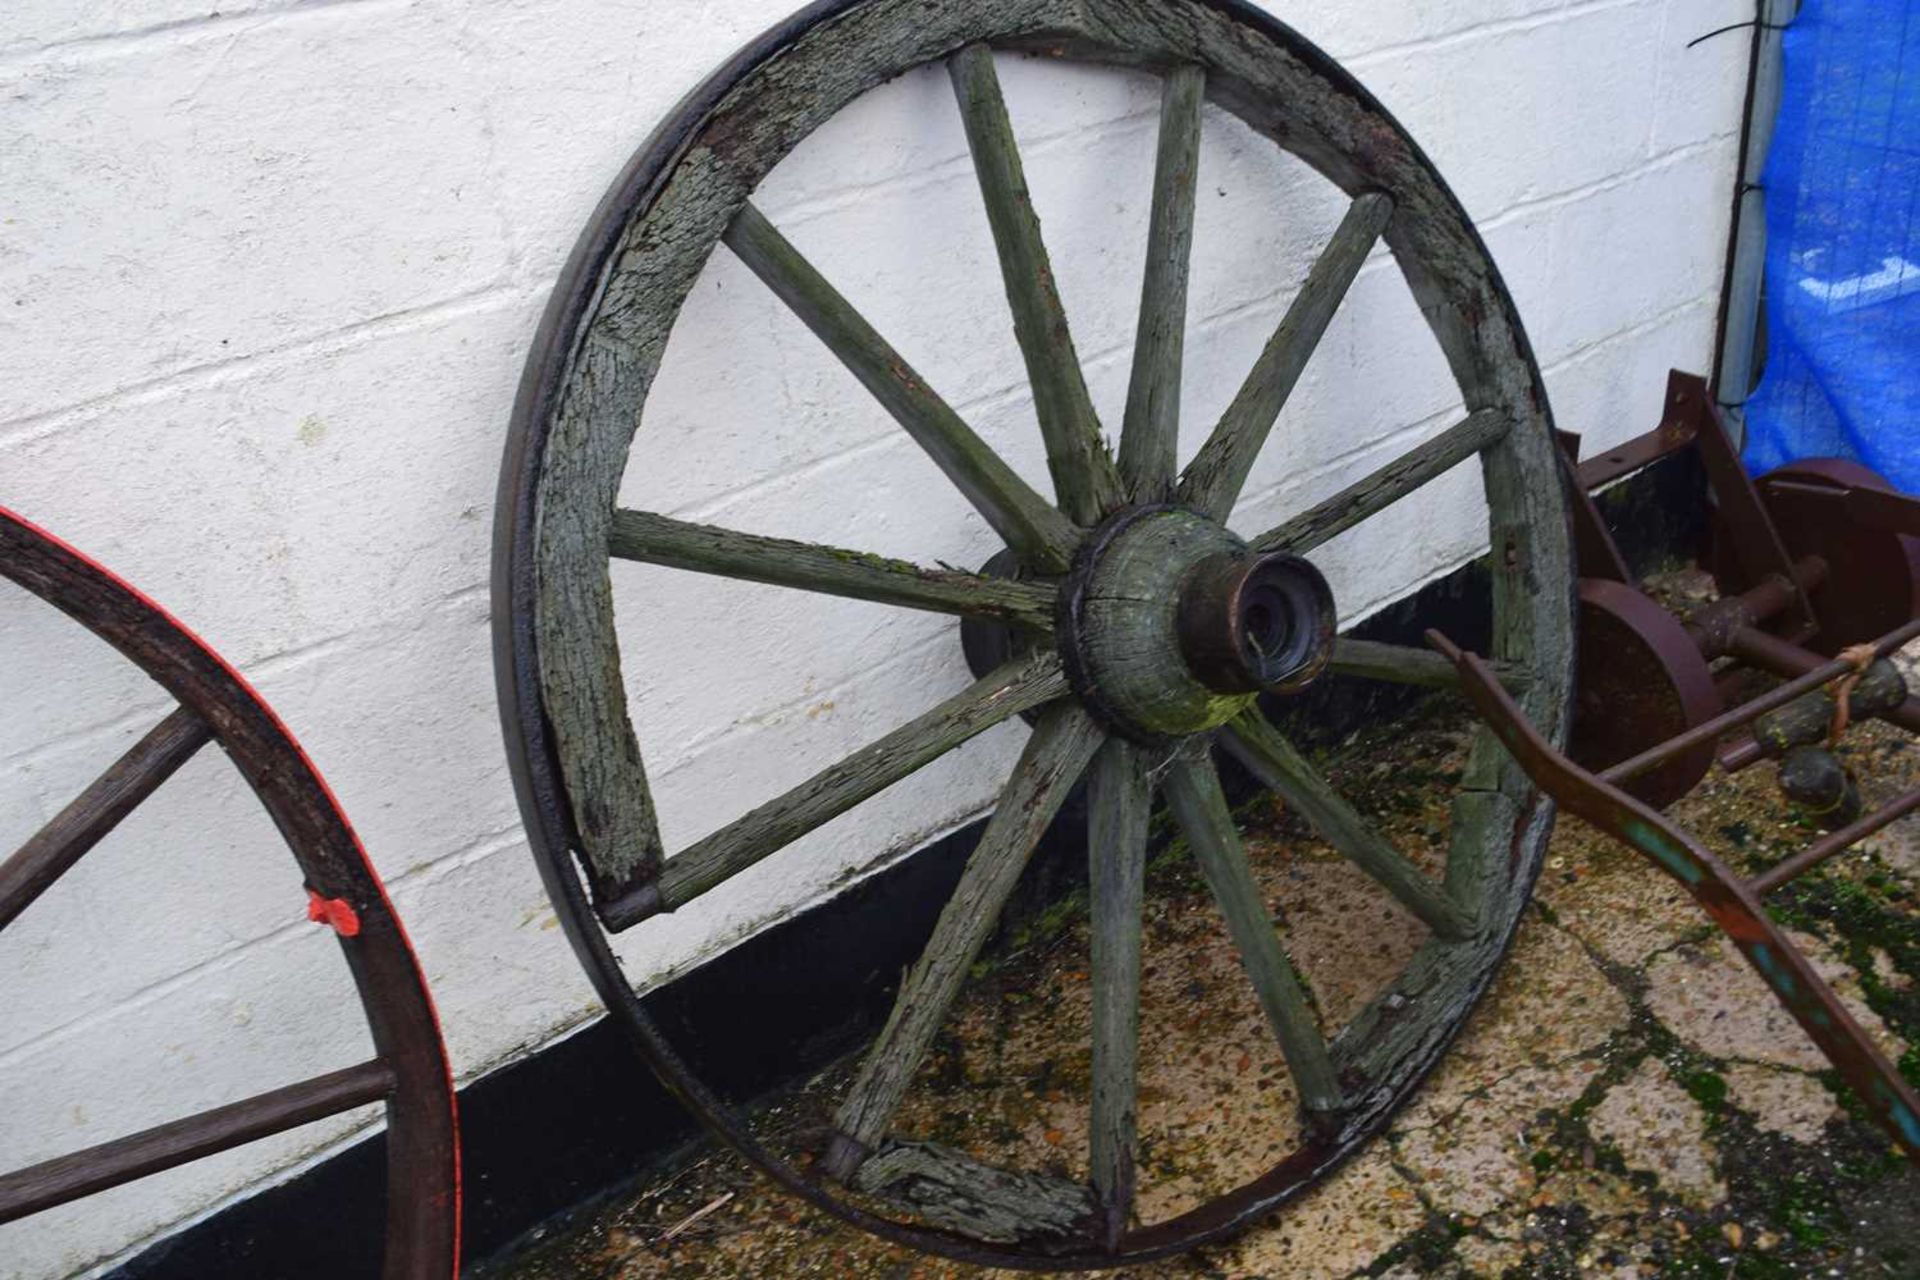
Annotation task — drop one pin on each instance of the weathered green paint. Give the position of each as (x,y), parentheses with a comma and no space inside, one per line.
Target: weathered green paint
(1083,471)
(1478,836)
(615,350)
(1403,664)
(808,566)
(1127,633)
(1375,492)
(579,653)
(951,1189)
(1193,791)
(1019,686)
(1213,480)
(1266,752)
(773,105)
(767,108)
(1657,845)
(1118,800)
(1901,1114)
(1150,432)
(1779,978)
(1378,1053)
(1040,535)
(1060,749)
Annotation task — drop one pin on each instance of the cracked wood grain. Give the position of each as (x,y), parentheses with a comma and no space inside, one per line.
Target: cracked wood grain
(1119,798)
(1193,791)
(1150,431)
(1271,758)
(1381,488)
(1060,749)
(1039,535)
(1083,470)
(951,1189)
(808,566)
(1214,479)
(1018,686)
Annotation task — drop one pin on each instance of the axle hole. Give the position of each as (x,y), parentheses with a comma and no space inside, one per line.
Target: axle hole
(1266,627)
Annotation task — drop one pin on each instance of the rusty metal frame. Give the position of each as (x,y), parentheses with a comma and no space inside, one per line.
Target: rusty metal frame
(1756,554)
(1733,902)
(1873,508)
(1761,622)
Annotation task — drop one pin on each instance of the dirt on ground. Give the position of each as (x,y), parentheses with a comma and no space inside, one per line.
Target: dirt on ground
(1628,1100)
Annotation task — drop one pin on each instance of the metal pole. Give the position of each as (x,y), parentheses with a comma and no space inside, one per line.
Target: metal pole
(1747,251)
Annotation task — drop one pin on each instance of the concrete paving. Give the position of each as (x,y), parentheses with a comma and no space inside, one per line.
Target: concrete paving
(1628,1101)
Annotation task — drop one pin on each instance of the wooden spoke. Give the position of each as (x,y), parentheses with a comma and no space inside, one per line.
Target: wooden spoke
(1017,686)
(1403,664)
(1214,478)
(1118,799)
(1083,472)
(1055,756)
(1040,535)
(53,850)
(705,548)
(1193,792)
(110,1164)
(1271,758)
(950,1189)
(1150,435)
(1374,493)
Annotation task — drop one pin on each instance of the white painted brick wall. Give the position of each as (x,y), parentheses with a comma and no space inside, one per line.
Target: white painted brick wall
(267,277)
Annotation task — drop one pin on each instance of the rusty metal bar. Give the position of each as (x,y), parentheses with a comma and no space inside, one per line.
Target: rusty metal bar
(1874,508)
(1755,545)
(69,1177)
(1595,552)
(51,851)
(1708,730)
(1671,436)
(1879,509)
(1712,626)
(1741,755)
(1732,903)
(1835,842)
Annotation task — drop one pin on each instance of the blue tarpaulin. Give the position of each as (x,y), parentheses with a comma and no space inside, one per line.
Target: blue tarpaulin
(1842,182)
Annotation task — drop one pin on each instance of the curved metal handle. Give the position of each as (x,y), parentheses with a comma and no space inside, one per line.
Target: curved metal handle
(1734,906)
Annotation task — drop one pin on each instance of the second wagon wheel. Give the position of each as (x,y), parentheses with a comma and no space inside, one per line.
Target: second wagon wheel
(408,1075)
(1139,631)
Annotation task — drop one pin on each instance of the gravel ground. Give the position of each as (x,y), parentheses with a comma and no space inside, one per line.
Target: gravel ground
(1629,1100)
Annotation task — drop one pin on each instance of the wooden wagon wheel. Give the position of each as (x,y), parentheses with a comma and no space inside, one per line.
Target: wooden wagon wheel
(409,1074)
(1148,628)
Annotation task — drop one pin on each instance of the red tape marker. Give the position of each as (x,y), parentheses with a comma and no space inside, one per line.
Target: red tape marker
(336,913)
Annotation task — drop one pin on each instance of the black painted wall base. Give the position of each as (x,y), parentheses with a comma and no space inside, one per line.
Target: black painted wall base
(583,1117)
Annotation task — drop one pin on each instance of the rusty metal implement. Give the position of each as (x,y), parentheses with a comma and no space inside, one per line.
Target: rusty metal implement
(1814,560)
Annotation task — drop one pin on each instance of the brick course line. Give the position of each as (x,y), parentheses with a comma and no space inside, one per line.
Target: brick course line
(107,44)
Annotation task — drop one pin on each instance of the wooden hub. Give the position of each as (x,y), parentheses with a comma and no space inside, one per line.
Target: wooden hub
(1169,624)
